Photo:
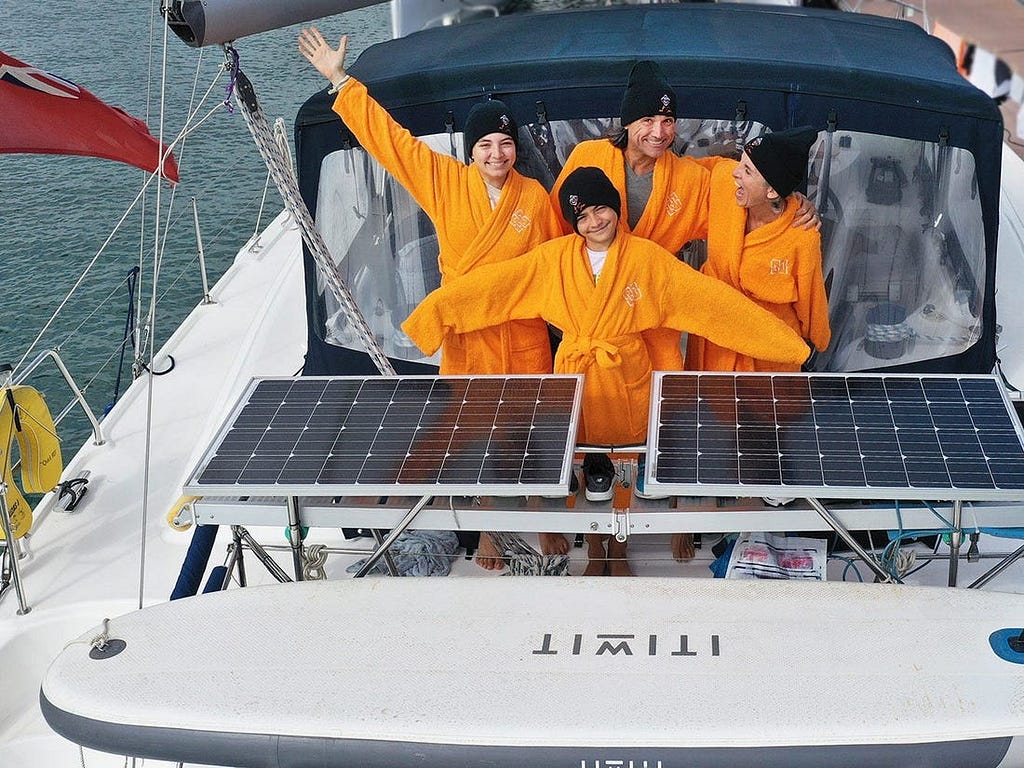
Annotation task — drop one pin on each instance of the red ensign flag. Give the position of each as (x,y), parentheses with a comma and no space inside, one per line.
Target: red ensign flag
(44,114)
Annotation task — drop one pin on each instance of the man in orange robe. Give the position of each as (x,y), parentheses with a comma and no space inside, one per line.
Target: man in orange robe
(603,287)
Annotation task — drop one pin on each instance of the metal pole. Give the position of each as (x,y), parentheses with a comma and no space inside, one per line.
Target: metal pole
(268,562)
(955,537)
(202,254)
(52,353)
(239,560)
(395,533)
(12,550)
(1001,566)
(851,542)
(389,561)
(295,530)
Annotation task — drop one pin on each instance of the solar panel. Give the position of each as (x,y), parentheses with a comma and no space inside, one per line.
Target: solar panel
(409,435)
(883,436)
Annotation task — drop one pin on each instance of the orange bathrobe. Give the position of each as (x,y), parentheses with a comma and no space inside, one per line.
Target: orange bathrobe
(676,213)
(469,233)
(776,266)
(641,286)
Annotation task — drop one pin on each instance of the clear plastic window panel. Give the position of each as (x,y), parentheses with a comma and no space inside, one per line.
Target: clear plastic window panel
(902,238)
(903,250)
(386,247)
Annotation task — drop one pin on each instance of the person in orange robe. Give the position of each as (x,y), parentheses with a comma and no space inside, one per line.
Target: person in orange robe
(602,287)
(484,212)
(753,247)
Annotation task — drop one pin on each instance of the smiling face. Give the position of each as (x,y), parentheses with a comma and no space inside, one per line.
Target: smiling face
(649,138)
(494,155)
(751,188)
(598,225)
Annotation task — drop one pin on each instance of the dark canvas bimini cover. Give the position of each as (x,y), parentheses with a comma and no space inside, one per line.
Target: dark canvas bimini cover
(780,66)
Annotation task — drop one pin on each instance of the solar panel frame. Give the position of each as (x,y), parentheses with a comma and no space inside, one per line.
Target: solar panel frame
(834,435)
(397,436)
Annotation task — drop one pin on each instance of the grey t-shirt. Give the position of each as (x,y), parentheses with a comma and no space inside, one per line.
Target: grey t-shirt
(638,192)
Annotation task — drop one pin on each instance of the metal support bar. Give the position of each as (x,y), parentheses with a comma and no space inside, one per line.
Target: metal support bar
(239,561)
(955,537)
(268,562)
(202,254)
(389,561)
(24,372)
(851,542)
(391,537)
(12,550)
(1001,566)
(295,531)
(620,524)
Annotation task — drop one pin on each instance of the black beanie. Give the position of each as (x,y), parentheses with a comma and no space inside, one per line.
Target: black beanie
(781,157)
(488,117)
(647,93)
(583,188)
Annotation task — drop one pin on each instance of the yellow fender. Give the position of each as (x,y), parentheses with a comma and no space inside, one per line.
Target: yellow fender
(25,417)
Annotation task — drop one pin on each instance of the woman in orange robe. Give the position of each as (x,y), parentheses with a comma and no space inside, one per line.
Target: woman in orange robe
(484,212)
(753,247)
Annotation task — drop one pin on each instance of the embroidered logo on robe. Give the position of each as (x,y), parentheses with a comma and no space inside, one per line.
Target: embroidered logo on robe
(576,204)
(519,221)
(632,294)
(673,205)
(778,267)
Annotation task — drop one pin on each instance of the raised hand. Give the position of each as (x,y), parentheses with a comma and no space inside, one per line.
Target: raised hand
(328,62)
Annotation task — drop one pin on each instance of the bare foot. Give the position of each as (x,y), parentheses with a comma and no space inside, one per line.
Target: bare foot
(618,565)
(553,544)
(487,555)
(682,547)
(598,564)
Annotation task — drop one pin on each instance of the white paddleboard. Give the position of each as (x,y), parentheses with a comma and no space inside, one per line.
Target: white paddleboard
(555,671)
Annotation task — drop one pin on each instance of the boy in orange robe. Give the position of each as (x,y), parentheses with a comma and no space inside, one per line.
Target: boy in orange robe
(602,287)
(753,247)
(484,212)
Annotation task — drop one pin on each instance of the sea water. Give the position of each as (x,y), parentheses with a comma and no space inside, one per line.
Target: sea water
(56,212)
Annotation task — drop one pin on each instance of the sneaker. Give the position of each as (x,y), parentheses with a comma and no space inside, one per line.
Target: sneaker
(599,477)
(638,486)
(574,488)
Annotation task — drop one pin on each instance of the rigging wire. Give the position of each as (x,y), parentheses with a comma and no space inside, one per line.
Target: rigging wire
(288,186)
(187,130)
(85,272)
(148,443)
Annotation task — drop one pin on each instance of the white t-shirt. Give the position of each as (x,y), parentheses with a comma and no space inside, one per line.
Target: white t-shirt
(493,193)
(597,262)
